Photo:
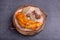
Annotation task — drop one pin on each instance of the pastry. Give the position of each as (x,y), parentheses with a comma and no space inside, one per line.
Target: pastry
(29,20)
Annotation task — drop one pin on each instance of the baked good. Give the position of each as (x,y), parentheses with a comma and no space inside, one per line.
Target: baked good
(29,20)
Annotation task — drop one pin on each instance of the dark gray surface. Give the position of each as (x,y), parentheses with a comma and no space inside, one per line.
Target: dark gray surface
(51,30)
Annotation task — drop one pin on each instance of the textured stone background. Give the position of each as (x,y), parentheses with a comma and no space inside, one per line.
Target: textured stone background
(52,27)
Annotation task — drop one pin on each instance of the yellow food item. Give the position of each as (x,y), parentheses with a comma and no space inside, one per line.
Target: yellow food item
(25,22)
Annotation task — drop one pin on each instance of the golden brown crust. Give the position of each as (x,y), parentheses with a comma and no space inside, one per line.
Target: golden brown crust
(29,32)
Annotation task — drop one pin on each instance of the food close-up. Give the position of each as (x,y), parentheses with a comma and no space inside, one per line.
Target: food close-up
(29,20)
